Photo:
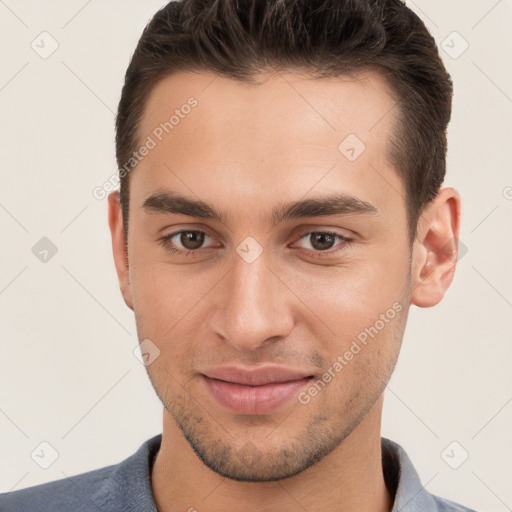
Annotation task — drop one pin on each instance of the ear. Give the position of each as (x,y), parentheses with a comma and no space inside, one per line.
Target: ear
(435,249)
(115,221)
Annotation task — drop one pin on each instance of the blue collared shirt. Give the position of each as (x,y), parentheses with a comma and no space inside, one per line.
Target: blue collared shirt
(126,487)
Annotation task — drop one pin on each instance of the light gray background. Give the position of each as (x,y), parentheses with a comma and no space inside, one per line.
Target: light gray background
(68,375)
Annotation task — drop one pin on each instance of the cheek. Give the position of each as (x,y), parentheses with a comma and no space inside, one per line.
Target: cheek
(167,300)
(351,297)
(154,297)
(358,366)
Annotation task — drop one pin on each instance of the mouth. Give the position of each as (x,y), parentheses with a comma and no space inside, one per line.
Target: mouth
(254,391)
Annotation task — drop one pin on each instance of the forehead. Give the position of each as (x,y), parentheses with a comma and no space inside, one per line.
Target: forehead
(283,102)
(288,130)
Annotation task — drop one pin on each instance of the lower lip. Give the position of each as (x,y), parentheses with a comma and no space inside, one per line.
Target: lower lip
(263,399)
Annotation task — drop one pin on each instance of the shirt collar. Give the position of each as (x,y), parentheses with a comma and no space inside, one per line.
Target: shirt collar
(130,483)
(403,481)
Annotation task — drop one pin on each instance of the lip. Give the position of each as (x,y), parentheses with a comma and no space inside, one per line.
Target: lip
(254,390)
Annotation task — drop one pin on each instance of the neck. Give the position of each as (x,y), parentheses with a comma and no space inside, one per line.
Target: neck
(349,479)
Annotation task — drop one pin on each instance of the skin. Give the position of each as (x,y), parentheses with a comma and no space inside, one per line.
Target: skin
(287,306)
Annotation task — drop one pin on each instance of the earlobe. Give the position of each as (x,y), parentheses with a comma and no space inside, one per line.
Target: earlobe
(435,249)
(115,221)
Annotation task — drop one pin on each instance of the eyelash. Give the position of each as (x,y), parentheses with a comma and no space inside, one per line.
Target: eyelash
(315,254)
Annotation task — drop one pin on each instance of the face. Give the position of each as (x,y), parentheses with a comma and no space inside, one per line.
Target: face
(277,326)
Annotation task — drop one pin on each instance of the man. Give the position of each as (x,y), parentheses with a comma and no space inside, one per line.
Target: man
(280,210)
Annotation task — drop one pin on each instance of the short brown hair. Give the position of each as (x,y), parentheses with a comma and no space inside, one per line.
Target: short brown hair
(325,38)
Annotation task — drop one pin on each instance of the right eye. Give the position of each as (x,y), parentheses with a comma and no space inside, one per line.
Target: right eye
(187,241)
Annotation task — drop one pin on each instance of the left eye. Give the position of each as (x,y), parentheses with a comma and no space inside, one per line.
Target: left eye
(322,240)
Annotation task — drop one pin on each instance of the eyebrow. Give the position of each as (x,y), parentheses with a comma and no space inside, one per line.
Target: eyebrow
(334,204)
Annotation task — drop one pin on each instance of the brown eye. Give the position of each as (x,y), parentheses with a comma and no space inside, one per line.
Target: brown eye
(191,240)
(186,242)
(323,244)
(322,241)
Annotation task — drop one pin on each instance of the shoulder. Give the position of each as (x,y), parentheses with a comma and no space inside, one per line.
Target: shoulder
(404,483)
(124,486)
(74,493)
(444,505)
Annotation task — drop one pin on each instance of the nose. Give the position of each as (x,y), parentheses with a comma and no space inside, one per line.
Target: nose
(254,309)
